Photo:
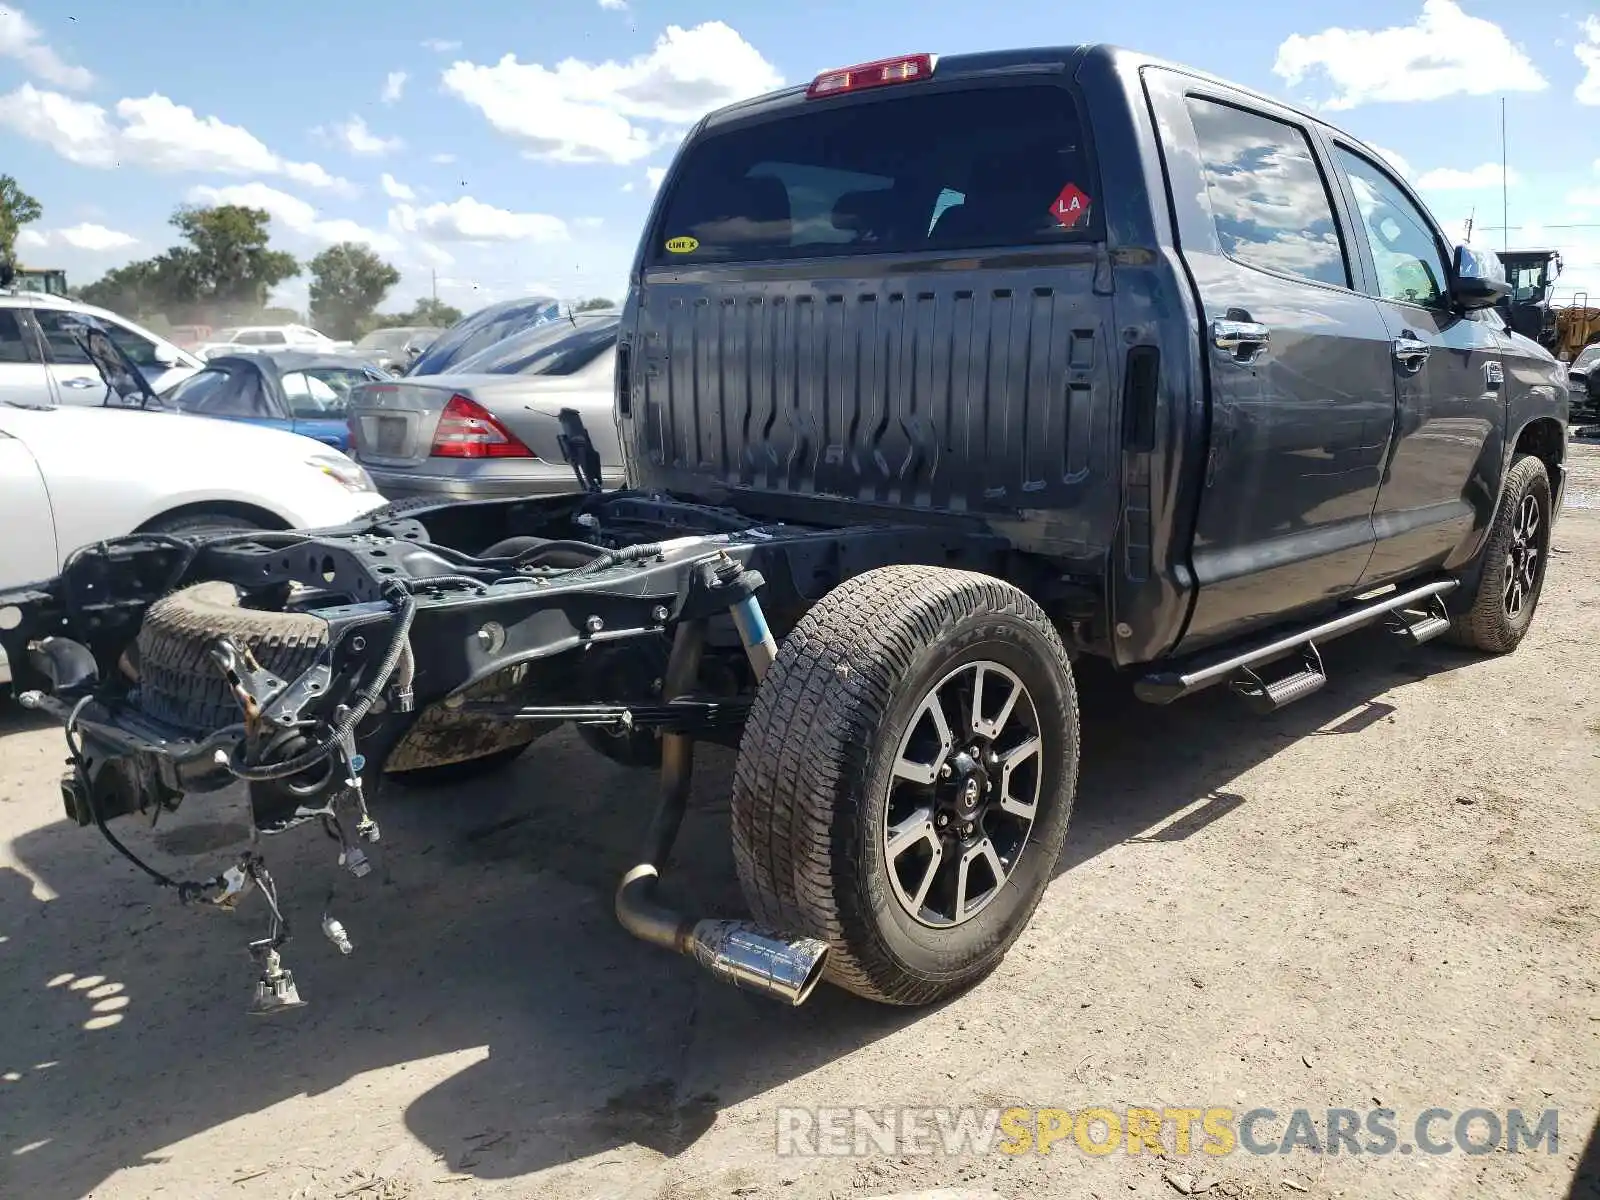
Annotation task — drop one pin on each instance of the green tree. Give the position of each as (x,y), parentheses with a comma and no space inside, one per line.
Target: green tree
(223,273)
(593,303)
(17,209)
(433,312)
(228,263)
(348,282)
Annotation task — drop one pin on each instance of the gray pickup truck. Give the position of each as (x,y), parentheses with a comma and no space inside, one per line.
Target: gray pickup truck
(934,375)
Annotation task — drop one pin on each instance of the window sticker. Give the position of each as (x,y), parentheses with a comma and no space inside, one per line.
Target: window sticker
(1071,207)
(683,245)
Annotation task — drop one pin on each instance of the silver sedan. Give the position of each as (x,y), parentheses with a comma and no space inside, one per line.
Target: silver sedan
(490,427)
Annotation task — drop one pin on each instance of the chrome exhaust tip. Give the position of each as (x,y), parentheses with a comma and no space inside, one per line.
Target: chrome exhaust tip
(785,968)
(781,966)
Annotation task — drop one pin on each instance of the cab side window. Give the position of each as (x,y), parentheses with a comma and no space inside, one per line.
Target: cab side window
(1268,198)
(1411,266)
(13,347)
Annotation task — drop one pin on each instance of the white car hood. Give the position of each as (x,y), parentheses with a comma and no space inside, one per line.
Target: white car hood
(140,464)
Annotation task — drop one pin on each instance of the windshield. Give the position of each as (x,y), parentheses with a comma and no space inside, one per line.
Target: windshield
(561,348)
(482,329)
(1587,359)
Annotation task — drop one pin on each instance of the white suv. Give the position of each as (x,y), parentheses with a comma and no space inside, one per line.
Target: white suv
(41,364)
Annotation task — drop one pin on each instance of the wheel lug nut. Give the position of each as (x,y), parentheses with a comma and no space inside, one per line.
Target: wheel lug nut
(943,820)
(944,771)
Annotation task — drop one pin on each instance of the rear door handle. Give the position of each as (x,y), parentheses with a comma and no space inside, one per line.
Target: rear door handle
(1245,340)
(1411,352)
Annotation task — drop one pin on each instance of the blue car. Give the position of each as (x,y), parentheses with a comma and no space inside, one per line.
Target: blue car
(305,392)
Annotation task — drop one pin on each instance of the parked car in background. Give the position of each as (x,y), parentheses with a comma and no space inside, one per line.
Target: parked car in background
(396,348)
(1584,376)
(40,363)
(302,391)
(489,427)
(268,337)
(72,475)
(482,329)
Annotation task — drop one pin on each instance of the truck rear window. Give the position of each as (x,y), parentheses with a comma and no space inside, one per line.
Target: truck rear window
(997,166)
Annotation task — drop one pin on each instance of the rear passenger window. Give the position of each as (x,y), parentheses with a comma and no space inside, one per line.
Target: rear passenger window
(12,348)
(929,171)
(1269,200)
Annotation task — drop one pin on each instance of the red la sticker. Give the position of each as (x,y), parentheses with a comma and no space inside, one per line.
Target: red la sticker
(1071,207)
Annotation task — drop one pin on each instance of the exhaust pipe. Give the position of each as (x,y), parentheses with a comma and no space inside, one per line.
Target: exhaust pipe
(785,968)
(782,966)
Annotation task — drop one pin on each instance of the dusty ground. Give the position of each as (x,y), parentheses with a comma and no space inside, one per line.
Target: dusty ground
(1387,894)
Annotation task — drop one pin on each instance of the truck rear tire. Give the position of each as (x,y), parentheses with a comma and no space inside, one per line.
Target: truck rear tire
(1511,574)
(905,779)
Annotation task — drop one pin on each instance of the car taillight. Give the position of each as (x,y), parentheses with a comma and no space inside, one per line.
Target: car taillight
(468,430)
(908,68)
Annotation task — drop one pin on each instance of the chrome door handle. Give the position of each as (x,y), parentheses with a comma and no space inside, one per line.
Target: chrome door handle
(78,382)
(1411,352)
(1245,340)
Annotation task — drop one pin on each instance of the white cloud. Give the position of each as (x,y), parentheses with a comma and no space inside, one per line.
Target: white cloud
(628,187)
(396,190)
(1444,52)
(1395,160)
(654,175)
(355,137)
(32,239)
(150,132)
(443,159)
(1588,52)
(1448,179)
(439,45)
(394,86)
(295,215)
(1584,197)
(21,42)
(614,5)
(578,111)
(469,220)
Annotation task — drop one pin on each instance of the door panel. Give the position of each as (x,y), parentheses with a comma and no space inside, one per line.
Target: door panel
(1449,384)
(74,378)
(1302,395)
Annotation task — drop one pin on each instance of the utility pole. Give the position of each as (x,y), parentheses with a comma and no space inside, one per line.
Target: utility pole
(1505,183)
(434,271)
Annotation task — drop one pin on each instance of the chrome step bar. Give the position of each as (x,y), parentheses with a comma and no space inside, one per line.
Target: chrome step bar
(1198,673)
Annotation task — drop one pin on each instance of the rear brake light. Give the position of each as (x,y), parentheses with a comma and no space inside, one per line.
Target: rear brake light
(908,68)
(468,430)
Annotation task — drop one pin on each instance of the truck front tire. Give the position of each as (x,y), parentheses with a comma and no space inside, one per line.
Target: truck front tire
(906,777)
(1511,569)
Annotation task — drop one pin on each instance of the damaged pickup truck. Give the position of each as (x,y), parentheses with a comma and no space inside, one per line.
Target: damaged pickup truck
(934,375)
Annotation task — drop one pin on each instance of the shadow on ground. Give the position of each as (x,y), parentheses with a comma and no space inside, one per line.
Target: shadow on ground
(488,929)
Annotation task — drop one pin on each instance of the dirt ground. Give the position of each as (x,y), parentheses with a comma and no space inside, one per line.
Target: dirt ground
(1387,895)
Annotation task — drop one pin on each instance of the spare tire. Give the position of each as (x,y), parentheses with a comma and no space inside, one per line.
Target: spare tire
(180,684)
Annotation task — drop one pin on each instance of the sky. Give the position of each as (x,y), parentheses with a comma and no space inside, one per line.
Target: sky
(490,150)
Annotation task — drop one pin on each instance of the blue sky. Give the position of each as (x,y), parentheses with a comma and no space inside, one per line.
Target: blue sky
(513,148)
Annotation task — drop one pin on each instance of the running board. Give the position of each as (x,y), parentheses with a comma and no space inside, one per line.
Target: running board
(1193,675)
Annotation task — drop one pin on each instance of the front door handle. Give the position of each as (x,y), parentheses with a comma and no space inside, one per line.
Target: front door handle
(1411,352)
(1245,340)
(79,382)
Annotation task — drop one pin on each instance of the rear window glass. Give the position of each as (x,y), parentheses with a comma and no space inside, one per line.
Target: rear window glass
(561,348)
(930,171)
(483,329)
